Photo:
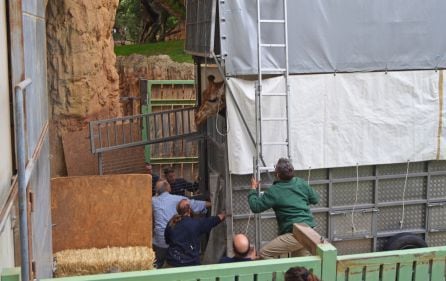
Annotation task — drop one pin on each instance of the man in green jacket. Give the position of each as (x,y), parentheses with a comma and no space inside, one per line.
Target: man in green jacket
(290,198)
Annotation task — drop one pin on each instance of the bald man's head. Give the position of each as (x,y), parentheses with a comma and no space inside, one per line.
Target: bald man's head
(183,208)
(241,245)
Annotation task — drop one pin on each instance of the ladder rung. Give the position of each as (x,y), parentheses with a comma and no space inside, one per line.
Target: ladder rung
(274,119)
(273,45)
(274,94)
(266,168)
(275,143)
(272,21)
(273,69)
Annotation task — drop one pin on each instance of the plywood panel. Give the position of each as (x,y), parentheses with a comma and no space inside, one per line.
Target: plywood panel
(78,157)
(101,211)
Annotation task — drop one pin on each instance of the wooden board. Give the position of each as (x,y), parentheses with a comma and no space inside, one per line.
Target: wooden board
(101,211)
(308,237)
(78,157)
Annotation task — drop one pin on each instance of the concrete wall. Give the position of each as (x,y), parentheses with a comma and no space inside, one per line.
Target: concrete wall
(6,235)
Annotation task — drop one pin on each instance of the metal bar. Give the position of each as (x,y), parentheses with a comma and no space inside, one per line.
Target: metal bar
(139,143)
(33,160)
(99,136)
(92,144)
(116,134)
(162,124)
(100,168)
(123,132)
(176,124)
(108,136)
(287,86)
(272,21)
(21,172)
(166,102)
(6,208)
(131,130)
(169,124)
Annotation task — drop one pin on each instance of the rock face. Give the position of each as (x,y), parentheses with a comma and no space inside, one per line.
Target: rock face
(82,80)
(135,67)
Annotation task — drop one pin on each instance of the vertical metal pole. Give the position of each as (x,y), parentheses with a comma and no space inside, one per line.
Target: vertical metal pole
(100,168)
(21,171)
(258,114)
(287,86)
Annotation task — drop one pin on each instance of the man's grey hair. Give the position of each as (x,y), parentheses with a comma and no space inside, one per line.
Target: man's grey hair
(284,169)
(161,187)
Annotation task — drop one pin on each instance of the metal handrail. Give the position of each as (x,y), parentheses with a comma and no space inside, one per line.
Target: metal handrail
(117,140)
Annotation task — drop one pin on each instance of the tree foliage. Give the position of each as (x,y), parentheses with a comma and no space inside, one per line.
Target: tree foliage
(148,20)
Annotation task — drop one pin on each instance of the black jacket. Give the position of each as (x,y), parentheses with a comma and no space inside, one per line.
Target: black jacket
(184,240)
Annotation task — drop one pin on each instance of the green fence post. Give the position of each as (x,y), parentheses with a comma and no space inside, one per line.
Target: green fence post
(328,254)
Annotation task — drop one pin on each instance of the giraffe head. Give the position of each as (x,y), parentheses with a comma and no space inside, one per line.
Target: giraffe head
(212,101)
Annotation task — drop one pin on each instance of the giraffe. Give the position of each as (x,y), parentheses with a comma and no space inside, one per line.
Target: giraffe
(212,101)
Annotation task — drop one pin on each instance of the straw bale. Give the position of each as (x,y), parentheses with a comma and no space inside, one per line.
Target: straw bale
(106,260)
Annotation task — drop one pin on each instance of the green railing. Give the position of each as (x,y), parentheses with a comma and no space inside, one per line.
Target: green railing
(426,264)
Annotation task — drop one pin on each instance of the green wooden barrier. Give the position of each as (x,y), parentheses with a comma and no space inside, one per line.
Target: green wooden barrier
(244,271)
(415,264)
(10,274)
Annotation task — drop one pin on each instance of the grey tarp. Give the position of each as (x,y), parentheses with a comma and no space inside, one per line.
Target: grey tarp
(336,35)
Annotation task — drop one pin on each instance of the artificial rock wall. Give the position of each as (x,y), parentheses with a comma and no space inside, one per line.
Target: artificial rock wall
(83,83)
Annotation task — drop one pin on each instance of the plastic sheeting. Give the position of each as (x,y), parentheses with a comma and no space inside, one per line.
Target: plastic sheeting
(335,36)
(345,119)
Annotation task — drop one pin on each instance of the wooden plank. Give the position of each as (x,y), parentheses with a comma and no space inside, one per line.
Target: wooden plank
(422,270)
(245,277)
(264,276)
(355,273)
(389,272)
(309,238)
(280,276)
(405,271)
(438,269)
(372,273)
(101,211)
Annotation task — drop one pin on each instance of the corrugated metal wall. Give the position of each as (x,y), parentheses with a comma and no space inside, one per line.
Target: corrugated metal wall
(6,232)
(28,61)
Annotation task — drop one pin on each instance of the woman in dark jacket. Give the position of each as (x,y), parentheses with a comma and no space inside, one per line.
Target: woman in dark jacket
(183,234)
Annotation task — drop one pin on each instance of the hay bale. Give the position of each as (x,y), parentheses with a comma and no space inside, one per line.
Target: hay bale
(107,260)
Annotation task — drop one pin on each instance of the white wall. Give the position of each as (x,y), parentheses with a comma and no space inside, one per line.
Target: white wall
(6,235)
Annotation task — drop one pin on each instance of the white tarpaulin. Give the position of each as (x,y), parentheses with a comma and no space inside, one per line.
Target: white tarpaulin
(345,119)
(332,36)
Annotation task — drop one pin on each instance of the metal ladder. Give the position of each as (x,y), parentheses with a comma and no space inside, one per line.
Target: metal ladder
(279,123)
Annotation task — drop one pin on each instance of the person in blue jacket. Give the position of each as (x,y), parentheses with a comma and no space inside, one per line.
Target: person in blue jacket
(183,234)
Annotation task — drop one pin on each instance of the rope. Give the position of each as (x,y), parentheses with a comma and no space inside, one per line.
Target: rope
(216,121)
(356,198)
(404,195)
(247,225)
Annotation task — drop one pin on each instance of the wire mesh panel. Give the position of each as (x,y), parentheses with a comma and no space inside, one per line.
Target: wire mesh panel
(436,239)
(437,217)
(383,205)
(389,218)
(352,224)
(393,190)
(321,220)
(350,194)
(348,247)
(437,187)
(200,22)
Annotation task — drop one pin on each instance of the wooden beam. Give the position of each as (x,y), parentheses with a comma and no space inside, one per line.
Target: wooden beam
(308,237)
